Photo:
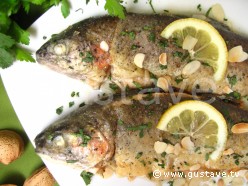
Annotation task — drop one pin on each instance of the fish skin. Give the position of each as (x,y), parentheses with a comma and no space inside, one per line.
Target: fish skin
(119,59)
(117,143)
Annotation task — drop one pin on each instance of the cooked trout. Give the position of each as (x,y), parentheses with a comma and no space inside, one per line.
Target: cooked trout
(124,131)
(78,52)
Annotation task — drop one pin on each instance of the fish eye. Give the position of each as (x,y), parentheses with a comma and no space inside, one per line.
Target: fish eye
(60,49)
(59,141)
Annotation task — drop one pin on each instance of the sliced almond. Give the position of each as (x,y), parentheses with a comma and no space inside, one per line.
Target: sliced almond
(236,54)
(228,152)
(189,42)
(179,182)
(160,147)
(163,59)
(199,16)
(238,181)
(187,143)
(227,90)
(220,182)
(217,12)
(240,128)
(191,68)
(139,59)
(104,46)
(195,167)
(169,149)
(177,149)
(163,83)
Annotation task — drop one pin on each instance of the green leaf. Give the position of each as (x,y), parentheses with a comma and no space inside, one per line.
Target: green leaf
(86,177)
(115,8)
(9,6)
(26,6)
(87,1)
(19,34)
(6,59)
(65,8)
(6,41)
(5,22)
(36,2)
(23,55)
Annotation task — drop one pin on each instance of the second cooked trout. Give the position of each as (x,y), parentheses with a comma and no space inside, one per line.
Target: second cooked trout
(124,132)
(98,49)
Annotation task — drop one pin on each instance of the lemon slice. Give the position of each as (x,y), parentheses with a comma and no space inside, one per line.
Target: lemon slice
(198,120)
(210,47)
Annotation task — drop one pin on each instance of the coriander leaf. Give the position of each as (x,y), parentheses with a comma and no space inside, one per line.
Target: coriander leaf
(4,22)
(86,177)
(37,2)
(9,6)
(65,8)
(232,80)
(23,55)
(6,41)
(6,59)
(26,6)
(115,8)
(19,34)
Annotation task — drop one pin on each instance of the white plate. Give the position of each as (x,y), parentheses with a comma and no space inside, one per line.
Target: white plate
(35,92)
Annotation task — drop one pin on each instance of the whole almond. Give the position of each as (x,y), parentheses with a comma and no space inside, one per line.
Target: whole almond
(42,177)
(240,128)
(11,146)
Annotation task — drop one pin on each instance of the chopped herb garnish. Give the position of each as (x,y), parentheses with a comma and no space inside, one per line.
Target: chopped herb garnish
(138,85)
(209,147)
(59,110)
(120,122)
(73,94)
(166,11)
(150,175)
(85,138)
(237,161)
(177,54)
(86,177)
(199,7)
(163,154)
(163,67)
(207,13)
(133,47)
(175,41)
(138,155)
(235,95)
(82,104)
(163,43)
(143,162)
(232,80)
(132,35)
(207,156)
(71,103)
(205,64)
(170,183)
(152,76)
(71,161)
(88,58)
(141,133)
(152,37)
(113,86)
(197,148)
(135,1)
(178,79)
(162,165)
(147,27)
(186,163)
(44,37)
(77,94)
(155,159)
(150,3)
(49,137)
(225,19)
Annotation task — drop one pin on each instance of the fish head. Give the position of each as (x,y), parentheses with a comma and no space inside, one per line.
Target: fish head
(83,146)
(76,58)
